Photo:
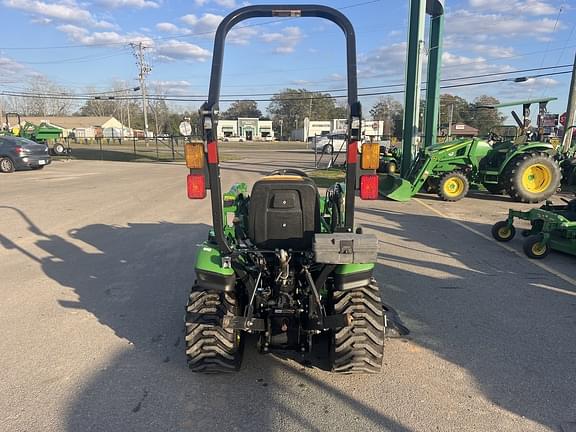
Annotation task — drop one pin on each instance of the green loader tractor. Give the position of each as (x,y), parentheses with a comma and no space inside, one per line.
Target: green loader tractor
(526,170)
(281,262)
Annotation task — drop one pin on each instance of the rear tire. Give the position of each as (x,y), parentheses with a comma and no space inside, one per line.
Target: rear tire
(209,347)
(453,186)
(6,165)
(532,177)
(358,348)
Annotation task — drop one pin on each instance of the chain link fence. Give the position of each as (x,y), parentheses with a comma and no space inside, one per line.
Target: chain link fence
(164,148)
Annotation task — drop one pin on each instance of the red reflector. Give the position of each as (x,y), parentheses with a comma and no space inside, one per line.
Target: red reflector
(196,186)
(212,152)
(352,155)
(369,187)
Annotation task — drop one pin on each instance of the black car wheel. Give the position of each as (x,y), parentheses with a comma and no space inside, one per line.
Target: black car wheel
(328,149)
(6,165)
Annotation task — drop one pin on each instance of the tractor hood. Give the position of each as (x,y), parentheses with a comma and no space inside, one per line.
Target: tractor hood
(446,146)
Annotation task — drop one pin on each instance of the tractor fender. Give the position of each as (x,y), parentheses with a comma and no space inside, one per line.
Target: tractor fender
(210,271)
(529,148)
(350,276)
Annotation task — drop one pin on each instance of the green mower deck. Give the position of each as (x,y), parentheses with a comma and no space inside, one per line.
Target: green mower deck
(552,228)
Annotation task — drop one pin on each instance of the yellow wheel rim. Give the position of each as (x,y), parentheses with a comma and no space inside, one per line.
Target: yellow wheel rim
(453,187)
(391,168)
(536,178)
(504,232)
(538,249)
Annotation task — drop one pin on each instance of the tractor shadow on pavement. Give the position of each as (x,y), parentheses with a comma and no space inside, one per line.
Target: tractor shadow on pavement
(135,280)
(483,309)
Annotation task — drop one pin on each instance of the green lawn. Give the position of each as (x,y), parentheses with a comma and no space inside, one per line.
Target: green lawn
(326,178)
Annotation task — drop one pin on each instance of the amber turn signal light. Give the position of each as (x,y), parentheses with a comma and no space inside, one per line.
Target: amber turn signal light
(370,156)
(194,153)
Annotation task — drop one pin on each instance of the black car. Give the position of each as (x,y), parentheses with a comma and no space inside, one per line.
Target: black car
(19,153)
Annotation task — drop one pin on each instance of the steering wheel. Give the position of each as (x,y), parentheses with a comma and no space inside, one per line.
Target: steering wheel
(493,136)
(284,171)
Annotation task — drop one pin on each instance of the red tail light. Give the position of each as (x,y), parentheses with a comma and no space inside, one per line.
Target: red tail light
(19,150)
(212,152)
(352,155)
(369,187)
(196,185)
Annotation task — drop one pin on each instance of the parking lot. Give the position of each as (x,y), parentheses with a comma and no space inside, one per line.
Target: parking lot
(96,260)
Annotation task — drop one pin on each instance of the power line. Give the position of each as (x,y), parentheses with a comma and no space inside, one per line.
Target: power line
(105,93)
(175,98)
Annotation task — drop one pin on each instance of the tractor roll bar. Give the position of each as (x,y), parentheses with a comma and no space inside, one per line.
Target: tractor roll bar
(210,110)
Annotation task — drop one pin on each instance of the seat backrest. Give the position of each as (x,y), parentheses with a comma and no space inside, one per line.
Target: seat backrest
(284,212)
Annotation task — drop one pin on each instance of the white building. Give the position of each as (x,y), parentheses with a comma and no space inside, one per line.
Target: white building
(84,126)
(371,129)
(247,129)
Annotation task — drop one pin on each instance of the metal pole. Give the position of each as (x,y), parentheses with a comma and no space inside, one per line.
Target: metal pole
(433,80)
(413,76)
(144,69)
(570,111)
(450,117)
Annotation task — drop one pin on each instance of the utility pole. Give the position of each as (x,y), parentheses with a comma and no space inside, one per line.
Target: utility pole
(143,70)
(570,111)
(450,116)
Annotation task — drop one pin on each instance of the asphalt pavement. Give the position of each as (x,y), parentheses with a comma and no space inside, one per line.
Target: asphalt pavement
(96,260)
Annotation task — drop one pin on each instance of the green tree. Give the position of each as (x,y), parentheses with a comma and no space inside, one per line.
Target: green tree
(461,110)
(293,105)
(242,108)
(391,112)
(485,119)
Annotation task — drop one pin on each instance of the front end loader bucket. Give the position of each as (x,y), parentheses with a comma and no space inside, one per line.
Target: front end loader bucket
(395,188)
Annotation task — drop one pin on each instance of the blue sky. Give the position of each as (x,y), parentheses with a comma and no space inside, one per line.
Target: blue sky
(83,44)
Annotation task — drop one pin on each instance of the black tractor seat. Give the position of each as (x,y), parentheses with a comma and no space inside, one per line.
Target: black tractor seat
(284,212)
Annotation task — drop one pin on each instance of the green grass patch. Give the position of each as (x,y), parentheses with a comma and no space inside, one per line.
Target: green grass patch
(326,178)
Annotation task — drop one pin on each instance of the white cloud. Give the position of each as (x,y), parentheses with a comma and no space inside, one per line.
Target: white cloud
(520,7)
(64,10)
(230,4)
(206,24)
(139,4)
(85,37)
(386,61)
(493,51)
(286,40)
(172,87)
(171,28)
(180,50)
(11,71)
(492,26)
(242,35)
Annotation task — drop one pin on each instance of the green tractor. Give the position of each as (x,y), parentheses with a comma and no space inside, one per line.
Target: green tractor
(281,262)
(526,170)
(42,134)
